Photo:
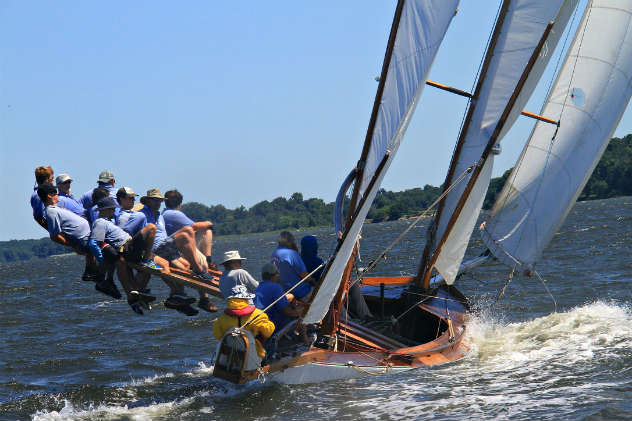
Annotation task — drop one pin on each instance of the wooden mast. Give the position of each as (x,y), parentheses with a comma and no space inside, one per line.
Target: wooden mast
(424,267)
(367,143)
(485,155)
(376,107)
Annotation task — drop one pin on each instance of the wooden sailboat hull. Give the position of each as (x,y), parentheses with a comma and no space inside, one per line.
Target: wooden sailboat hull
(360,351)
(350,365)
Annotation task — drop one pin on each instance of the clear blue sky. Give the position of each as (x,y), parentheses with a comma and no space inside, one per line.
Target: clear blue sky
(231,103)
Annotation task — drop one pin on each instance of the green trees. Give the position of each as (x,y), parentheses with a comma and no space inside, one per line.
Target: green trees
(612,177)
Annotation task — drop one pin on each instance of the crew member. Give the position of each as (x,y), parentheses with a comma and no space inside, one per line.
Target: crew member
(239,311)
(234,274)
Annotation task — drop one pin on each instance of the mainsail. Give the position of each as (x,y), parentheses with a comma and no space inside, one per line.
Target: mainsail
(526,33)
(418,29)
(589,97)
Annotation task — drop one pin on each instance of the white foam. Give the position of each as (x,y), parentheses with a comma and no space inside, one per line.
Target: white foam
(105,412)
(539,365)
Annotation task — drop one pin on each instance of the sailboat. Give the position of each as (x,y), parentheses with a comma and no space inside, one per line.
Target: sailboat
(426,324)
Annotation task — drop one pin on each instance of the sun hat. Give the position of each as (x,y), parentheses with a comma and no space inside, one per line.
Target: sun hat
(106,203)
(240,291)
(268,271)
(153,194)
(231,255)
(62,178)
(106,176)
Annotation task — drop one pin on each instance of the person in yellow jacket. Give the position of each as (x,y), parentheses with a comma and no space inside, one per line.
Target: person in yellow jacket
(239,311)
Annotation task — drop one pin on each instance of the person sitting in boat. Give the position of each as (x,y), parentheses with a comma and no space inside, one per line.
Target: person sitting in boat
(175,220)
(93,213)
(234,274)
(177,250)
(269,291)
(130,220)
(106,181)
(291,266)
(108,243)
(240,310)
(67,228)
(309,254)
(67,200)
(45,175)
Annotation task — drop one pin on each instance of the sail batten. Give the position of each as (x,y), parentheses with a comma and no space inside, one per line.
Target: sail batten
(420,31)
(590,95)
(502,91)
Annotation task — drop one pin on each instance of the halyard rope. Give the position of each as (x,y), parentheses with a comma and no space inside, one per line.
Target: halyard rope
(286,292)
(547,290)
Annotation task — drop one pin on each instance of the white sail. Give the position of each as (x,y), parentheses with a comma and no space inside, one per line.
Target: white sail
(589,97)
(521,30)
(421,29)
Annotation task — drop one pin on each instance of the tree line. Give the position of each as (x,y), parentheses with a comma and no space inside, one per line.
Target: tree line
(612,177)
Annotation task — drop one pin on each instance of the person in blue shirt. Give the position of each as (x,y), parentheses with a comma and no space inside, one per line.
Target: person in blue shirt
(178,250)
(106,181)
(108,243)
(64,226)
(268,291)
(46,175)
(176,220)
(130,220)
(43,175)
(66,199)
(291,266)
(309,254)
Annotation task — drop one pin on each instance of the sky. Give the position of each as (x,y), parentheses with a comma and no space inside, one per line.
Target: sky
(231,103)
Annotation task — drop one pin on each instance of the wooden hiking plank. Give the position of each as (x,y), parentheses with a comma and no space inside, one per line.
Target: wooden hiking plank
(184,278)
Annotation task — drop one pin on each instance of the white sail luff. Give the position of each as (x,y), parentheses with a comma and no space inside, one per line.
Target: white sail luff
(589,97)
(522,29)
(421,30)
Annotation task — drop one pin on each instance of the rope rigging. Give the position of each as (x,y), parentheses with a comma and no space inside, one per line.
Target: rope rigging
(374,262)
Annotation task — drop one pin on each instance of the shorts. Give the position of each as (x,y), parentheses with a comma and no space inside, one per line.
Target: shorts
(167,249)
(133,251)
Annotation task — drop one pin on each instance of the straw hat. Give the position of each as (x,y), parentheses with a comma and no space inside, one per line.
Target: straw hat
(153,194)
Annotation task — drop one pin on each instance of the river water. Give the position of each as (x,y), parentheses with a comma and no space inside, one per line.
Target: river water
(70,353)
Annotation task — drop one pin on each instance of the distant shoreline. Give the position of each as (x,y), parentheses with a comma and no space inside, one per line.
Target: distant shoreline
(612,178)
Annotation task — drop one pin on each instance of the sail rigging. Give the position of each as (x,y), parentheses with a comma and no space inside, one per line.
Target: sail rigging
(526,32)
(418,29)
(589,97)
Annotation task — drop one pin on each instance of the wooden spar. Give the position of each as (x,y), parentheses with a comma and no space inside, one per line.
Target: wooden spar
(376,106)
(448,88)
(469,95)
(486,152)
(423,266)
(539,117)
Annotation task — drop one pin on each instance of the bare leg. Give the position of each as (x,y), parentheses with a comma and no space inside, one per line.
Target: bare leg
(185,241)
(204,240)
(125,276)
(148,233)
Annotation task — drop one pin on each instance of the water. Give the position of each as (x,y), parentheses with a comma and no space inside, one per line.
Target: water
(69,353)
